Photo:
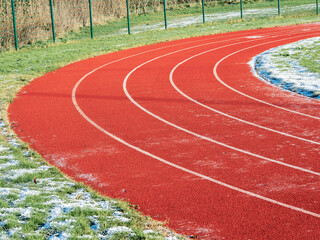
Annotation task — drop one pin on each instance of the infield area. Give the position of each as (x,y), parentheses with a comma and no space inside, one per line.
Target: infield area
(187,132)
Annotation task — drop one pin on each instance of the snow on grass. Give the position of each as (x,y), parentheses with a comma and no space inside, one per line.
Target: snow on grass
(59,236)
(25,192)
(211,17)
(26,213)
(2,149)
(36,201)
(8,164)
(116,230)
(8,157)
(119,216)
(16,173)
(282,67)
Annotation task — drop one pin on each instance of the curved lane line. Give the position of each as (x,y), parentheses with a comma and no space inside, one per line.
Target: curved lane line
(301,210)
(248,96)
(196,134)
(167,162)
(223,113)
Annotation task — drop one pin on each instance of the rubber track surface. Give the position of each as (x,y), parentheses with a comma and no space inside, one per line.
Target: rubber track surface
(184,130)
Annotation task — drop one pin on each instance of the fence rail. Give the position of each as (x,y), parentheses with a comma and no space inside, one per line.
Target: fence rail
(25,22)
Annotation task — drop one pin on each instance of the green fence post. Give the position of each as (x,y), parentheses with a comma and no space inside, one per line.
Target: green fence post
(14,25)
(128,17)
(90,12)
(241,8)
(52,22)
(279,8)
(203,13)
(317,7)
(165,14)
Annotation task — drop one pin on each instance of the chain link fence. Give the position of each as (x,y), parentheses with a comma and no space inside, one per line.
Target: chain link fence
(24,22)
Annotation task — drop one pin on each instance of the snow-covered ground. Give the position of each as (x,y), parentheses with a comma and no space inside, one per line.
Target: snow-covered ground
(280,66)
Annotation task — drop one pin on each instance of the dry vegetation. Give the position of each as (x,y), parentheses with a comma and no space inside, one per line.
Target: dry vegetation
(33,17)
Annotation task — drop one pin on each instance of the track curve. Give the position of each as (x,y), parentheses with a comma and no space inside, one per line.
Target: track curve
(184,130)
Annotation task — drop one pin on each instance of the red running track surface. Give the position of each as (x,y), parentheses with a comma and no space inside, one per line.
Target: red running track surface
(189,133)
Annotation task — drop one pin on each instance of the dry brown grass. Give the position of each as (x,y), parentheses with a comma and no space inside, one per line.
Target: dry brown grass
(33,17)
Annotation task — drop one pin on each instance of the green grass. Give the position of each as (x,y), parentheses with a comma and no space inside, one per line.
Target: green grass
(307,55)
(303,54)
(180,11)
(18,68)
(23,193)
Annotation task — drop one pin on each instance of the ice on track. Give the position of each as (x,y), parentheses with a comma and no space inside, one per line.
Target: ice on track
(290,76)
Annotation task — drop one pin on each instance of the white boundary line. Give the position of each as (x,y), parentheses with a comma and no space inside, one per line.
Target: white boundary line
(167,162)
(248,96)
(223,113)
(196,134)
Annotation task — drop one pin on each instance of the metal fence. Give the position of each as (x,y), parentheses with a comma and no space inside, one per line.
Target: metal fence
(24,22)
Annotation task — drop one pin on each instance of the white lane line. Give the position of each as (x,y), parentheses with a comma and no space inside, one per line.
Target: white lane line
(301,210)
(248,96)
(196,134)
(168,46)
(223,113)
(167,162)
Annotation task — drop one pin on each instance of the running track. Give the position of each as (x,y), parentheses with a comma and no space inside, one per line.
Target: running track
(184,130)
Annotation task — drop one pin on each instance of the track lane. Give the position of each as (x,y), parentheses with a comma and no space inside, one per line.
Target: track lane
(223,113)
(132,114)
(114,160)
(234,59)
(274,93)
(316,153)
(207,87)
(134,123)
(165,141)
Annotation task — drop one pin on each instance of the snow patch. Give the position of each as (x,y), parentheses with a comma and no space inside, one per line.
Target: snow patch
(60,236)
(105,205)
(149,231)
(3,223)
(115,230)
(9,164)
(2,148)
(119,216)
(16,173)
(295,78)
(13,231)
(7,157)
(26,213)
(61,224)
(26,192)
